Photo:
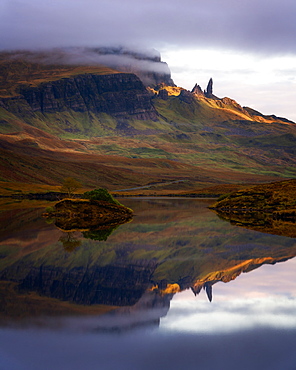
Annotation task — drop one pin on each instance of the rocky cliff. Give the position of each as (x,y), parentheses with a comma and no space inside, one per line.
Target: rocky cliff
(119,95)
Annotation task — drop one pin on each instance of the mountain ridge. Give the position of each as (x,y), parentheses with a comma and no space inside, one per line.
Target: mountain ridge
(97,110)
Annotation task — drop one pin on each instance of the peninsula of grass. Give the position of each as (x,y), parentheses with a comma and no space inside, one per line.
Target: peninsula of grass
(278,198)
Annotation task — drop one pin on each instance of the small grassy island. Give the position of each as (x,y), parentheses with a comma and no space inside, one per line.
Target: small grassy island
(97,210)
(268,207)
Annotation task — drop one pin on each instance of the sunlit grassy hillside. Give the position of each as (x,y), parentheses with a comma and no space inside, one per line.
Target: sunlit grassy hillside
(195,140)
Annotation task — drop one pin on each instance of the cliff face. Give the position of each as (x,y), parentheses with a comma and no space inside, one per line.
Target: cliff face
(119,95)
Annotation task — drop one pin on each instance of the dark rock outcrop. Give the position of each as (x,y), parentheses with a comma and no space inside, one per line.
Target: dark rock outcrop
(208,92)
(163,94)
(119,95)
(197,90)
(186,96)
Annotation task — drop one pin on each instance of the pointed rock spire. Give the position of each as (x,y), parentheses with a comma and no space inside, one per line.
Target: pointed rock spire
(196,289)
(197,90)
(209,90)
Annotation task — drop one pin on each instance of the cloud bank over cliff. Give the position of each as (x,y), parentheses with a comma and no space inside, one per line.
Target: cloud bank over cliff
(255,26)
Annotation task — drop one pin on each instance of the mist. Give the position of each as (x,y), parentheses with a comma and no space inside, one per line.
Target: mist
(250,349)
(146,63)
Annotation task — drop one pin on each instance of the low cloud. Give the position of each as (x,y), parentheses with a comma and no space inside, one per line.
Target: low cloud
(143,62)
(147,60)
(260,27)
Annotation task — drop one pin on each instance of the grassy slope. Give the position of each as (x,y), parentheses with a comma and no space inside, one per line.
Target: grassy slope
(211,142)
(278,196)
(269,208)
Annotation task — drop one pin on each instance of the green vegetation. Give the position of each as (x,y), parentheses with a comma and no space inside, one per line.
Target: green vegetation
(151,152)
(49,209)
(99,234)
(100,194)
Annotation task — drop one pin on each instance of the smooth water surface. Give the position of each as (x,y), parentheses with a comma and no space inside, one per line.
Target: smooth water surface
(175,288)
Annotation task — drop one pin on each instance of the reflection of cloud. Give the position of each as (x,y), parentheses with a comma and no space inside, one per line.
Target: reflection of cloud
(256,349)
(228,316)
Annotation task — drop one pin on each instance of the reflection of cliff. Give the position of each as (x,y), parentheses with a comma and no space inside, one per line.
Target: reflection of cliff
(164,257)
(115,285)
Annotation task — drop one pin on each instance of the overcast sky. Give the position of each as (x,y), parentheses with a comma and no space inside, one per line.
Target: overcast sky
(248,47)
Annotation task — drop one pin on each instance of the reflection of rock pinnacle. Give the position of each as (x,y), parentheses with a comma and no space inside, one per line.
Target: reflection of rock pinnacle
(196,289)
(209,291)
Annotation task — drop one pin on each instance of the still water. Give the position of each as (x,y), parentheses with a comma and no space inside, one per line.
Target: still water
(175,288)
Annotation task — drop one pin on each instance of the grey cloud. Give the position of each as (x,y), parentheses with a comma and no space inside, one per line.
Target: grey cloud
(91,57)
(146,63)
(256,26)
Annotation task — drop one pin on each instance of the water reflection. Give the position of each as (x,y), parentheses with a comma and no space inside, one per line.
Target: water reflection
(138,297)
(264,298)
(70,241)
(171,245)
(263,222)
